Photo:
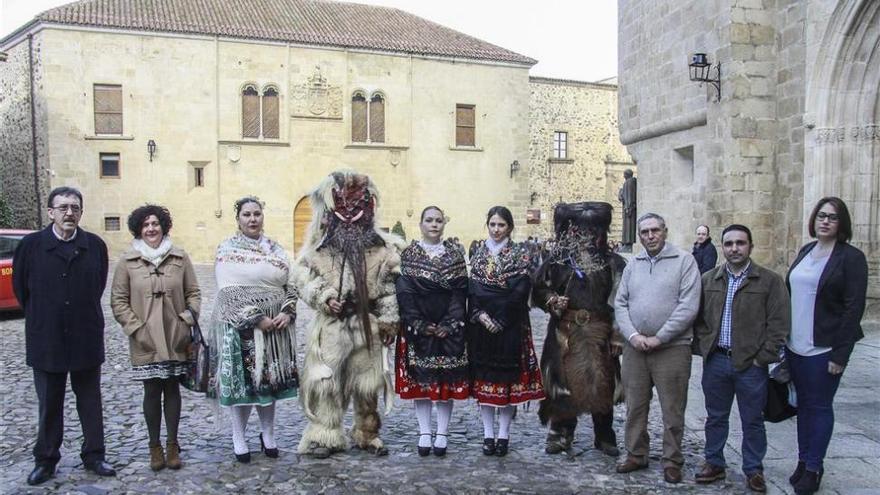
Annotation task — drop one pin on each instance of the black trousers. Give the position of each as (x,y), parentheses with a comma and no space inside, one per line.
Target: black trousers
(51,387)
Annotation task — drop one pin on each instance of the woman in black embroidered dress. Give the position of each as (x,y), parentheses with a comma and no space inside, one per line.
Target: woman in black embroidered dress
(504,368)
(432,362)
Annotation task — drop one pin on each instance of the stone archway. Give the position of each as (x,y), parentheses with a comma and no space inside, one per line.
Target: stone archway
(302,216)
(842,154)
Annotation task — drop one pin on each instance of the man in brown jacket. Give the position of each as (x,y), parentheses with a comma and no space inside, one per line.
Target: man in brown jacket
(744,319)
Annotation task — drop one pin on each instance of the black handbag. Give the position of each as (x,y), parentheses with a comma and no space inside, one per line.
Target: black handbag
(777,408)
(199,354)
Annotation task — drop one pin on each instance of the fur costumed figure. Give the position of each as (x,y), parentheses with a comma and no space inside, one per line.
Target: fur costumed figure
(346,272)
(576,285)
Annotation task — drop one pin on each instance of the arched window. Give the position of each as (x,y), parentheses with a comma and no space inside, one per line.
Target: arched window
(358,118)
(367,118)
(270,113)
(377,119)
(250,112)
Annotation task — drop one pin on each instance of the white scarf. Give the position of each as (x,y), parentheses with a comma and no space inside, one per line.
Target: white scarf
(153,255)
(496,247)
(433,250)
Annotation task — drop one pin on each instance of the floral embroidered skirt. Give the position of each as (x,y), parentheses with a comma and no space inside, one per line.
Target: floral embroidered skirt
(527,387)
(163,370)
(436,389)
(277,378)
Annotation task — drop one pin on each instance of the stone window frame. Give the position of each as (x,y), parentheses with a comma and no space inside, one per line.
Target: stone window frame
(559,147)
(260,117)
(99,112)
(199,176)
(369,116)
(101,156)
(457,123)
(112,223)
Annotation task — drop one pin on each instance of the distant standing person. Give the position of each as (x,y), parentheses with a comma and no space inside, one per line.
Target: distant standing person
(828,282)
(704,251)
(627,196)
(59,275)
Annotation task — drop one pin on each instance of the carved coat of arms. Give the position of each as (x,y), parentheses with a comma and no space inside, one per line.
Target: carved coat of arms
(316,98)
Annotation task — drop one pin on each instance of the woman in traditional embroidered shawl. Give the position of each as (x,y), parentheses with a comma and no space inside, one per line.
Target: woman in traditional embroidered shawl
(252,331)
(432,362)
(156,298)
(504,368)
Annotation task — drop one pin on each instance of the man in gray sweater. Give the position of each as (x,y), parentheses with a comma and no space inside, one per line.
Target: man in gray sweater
(655,308)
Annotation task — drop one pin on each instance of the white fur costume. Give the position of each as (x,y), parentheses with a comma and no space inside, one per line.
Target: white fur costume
(339,368)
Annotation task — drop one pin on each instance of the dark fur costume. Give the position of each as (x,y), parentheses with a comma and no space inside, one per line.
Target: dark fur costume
(578,368)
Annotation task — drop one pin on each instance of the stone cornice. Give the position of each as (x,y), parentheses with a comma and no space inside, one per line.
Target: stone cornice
(572,82)
(667,126)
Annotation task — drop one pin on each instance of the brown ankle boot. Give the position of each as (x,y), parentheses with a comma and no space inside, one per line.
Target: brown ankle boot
(173,455)
(157,458)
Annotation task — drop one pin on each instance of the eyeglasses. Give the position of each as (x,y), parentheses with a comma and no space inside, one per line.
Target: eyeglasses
(75,209)
(832,217)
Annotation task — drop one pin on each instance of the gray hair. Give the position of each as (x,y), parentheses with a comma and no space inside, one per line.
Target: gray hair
(64,191)
(655,216)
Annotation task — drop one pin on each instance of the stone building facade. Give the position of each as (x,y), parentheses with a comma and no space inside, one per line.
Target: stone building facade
(575,149)
(797,118)
(265,106)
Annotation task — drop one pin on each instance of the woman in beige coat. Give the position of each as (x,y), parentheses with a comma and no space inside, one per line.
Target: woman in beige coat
(156,298)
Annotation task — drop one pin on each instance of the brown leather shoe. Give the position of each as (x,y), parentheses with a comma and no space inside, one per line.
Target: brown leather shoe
(757,483)
(630,465)
(710,473)
(157,458)
(672,474)
(173,459)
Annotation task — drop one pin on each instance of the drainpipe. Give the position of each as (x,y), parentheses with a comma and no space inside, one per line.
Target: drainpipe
(218,211)
(39,210)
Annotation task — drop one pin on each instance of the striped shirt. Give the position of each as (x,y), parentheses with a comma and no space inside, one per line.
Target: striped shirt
(733,284)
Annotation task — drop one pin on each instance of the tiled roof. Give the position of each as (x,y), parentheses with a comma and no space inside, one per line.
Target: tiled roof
(313,22)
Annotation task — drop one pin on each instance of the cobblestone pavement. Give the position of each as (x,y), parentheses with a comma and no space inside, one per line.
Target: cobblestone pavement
(210,466)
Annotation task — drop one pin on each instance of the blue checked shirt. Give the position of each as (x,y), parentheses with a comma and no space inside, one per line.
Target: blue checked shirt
(733,284)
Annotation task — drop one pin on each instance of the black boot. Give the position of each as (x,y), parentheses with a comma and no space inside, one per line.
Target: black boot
(798,472)
(808,483)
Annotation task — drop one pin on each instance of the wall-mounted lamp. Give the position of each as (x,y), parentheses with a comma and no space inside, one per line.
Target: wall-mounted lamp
(533,197)
(701,68)
(514,167)
(151,148)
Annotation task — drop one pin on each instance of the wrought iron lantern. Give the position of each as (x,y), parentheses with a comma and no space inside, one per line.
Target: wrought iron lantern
(701,70)
(514,167)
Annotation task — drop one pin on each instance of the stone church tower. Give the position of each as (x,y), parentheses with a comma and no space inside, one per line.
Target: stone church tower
(795,117)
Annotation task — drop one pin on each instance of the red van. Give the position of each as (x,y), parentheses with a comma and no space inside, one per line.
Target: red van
(9,239)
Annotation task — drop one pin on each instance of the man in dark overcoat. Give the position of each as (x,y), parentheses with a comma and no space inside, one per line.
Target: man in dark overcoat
(59,275)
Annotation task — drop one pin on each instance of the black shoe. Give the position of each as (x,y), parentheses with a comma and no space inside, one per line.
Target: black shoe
(101,468)
(424,451)
(40,474)
(607,448)
(488,446)
(243,458)
(501,447)
(808,483)
(798,472)
(273,452)
(440,451)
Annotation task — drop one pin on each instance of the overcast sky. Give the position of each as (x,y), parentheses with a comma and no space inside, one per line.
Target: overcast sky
(571,39)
